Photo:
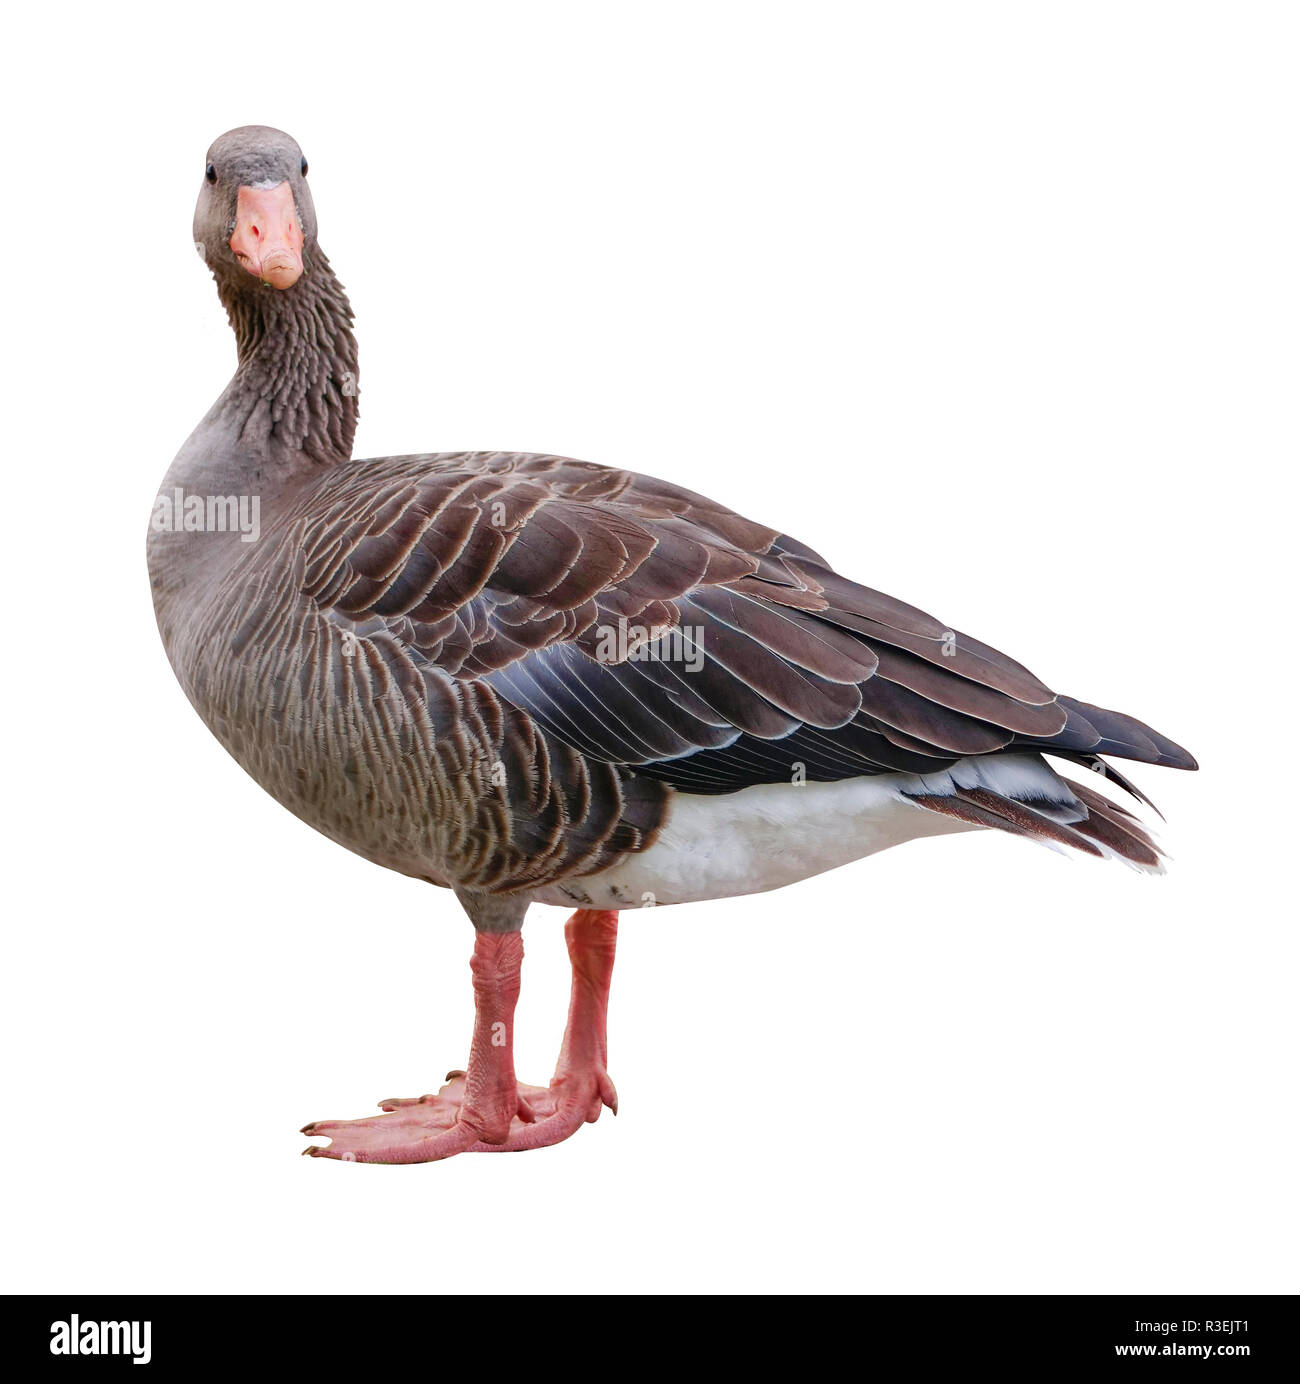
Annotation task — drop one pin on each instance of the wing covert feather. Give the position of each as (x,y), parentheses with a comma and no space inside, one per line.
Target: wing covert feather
(647,627)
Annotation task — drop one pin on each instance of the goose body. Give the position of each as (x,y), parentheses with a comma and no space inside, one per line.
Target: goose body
(532,679)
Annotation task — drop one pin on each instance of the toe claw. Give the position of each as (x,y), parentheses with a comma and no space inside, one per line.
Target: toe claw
(391,1103)
(454,1074)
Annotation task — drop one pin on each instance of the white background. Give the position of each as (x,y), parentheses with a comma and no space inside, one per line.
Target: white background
(995,305)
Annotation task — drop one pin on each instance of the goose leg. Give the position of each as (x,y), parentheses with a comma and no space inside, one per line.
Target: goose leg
(476,1108)
(581,1084)
(484,1109)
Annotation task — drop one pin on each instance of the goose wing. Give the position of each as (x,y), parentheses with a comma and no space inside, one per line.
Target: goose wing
(646,626)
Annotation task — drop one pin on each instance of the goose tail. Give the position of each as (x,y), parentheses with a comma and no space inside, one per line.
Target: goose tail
(1023,796)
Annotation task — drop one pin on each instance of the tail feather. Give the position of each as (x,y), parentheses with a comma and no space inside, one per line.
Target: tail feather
(1112,775)
(1031,821)
(1110,824)
(1025,797)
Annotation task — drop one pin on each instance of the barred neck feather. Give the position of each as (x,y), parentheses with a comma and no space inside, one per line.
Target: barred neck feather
(294,396)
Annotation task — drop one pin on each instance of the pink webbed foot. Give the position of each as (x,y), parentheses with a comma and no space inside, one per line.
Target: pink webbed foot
(420,1129)
(486,1110)
(423,1129)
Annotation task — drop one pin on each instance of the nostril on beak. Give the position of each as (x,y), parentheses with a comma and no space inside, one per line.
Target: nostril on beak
(267,239)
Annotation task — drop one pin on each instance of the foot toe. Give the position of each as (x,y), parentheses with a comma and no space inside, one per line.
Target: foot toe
(424,1129)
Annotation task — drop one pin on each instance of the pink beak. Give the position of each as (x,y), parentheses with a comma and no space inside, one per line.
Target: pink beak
(268,237)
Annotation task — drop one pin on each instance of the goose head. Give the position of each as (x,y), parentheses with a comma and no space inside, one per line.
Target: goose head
(254,215)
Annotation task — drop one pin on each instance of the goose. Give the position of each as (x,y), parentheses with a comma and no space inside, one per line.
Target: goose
(529,679)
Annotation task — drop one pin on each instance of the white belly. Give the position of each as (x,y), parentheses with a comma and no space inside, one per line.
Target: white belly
(757,839)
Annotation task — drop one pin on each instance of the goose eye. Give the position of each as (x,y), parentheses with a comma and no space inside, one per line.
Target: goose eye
(304,168)
(211,173)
